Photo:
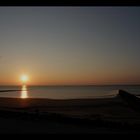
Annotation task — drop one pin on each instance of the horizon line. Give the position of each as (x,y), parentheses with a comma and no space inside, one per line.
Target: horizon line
(81,85)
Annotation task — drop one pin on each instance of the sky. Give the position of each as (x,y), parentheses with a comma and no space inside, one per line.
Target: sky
(70,45)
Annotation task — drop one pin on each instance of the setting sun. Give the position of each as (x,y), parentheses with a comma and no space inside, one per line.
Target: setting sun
(24,78)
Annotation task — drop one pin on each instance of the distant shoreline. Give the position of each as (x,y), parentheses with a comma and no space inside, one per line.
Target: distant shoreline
(9,90)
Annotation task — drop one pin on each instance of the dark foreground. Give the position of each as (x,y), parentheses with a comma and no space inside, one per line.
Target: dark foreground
(114,115)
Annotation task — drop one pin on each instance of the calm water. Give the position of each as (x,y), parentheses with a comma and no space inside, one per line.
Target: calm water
(66,92)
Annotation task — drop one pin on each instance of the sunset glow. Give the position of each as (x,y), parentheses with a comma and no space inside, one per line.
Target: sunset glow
(24,78)
(69,46)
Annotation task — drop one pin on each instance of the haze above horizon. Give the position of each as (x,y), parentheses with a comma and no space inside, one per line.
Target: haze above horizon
(70,45)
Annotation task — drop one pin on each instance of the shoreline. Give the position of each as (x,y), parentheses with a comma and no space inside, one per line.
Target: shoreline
(83,114)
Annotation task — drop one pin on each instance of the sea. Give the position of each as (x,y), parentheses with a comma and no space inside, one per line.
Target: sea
(67,92)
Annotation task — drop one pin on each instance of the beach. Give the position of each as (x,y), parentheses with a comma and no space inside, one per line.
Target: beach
(66,70)
(109,115)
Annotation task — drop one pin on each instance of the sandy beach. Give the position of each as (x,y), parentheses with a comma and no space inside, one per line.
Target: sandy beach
(112,115)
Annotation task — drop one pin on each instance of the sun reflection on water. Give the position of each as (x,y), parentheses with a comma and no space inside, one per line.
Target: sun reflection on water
(24,92)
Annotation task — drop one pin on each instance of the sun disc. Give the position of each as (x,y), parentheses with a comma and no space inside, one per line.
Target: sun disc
(24,78)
